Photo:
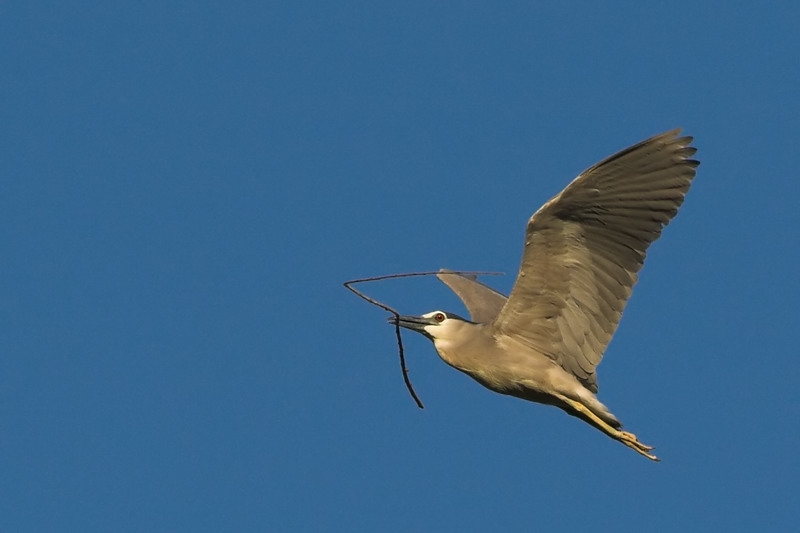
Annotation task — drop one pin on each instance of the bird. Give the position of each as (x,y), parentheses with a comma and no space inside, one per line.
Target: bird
(582,254)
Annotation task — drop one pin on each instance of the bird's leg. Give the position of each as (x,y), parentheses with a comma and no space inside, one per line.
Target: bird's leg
(626,438)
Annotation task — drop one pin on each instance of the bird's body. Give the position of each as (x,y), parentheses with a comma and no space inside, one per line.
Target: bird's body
(521,372)
(583,250)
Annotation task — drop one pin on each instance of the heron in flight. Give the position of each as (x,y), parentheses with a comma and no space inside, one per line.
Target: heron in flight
(583,250)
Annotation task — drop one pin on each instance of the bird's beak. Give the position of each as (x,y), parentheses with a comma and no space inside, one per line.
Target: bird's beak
(414,323)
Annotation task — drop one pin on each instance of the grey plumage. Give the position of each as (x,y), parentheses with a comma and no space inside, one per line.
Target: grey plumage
(483,302)
(583,251)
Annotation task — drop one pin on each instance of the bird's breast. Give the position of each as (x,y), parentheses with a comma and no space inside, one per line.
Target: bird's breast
(506,367)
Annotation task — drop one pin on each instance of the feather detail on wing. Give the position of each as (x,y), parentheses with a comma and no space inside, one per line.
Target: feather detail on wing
(584,248)
(482,302)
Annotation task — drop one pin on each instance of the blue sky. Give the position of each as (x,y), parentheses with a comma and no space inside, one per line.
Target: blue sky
(186,186)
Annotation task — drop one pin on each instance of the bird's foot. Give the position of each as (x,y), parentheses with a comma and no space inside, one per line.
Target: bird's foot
(624,435)
(630,440)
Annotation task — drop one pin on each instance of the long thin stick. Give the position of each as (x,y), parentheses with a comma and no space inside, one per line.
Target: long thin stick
(403,368)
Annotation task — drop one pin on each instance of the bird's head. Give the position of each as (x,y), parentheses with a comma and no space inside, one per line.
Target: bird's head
(436,325)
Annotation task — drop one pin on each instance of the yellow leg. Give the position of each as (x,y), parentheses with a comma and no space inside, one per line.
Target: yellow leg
(628,439)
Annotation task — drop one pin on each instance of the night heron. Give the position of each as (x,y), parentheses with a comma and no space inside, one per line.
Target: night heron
(583,250)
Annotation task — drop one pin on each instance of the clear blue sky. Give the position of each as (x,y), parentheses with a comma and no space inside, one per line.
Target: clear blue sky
(186,186)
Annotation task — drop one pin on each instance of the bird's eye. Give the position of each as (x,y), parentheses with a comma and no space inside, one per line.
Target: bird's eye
(439,317)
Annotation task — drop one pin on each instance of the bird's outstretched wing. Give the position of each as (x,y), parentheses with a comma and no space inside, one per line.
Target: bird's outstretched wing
(584,248)
(482,302)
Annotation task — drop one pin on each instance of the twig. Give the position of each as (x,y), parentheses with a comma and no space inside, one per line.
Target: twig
(348,285)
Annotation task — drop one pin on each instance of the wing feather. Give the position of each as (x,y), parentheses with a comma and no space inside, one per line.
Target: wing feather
(482,302)
(585,247)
